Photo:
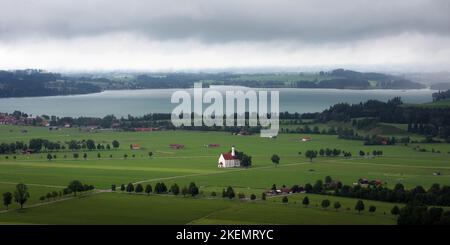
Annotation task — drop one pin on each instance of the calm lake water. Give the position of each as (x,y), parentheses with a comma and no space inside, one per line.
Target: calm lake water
(140,102)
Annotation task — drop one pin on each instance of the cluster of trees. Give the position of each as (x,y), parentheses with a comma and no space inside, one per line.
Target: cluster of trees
(20,195)
(441,95)
(246,160)
(12,148)
(91,145)
(228,193)
(34,145)
(359,206)
(160,188)
(311,154)
(50,195)
(418,214)
(374,153)
(330,152)
(429,121)
(436,195)
(75,186)
(43,145)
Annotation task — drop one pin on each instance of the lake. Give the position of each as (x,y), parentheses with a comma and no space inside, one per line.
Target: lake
(140,102)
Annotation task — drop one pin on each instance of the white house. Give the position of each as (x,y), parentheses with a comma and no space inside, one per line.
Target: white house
(228,160)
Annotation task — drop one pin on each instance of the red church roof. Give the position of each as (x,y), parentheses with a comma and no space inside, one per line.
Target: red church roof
(228,156)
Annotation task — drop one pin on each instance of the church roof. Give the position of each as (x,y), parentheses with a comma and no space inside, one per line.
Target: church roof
(228,156)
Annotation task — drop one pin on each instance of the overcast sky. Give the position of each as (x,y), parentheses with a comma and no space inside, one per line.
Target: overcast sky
(166,35)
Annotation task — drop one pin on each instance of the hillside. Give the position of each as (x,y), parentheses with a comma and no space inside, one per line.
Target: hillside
(25,83)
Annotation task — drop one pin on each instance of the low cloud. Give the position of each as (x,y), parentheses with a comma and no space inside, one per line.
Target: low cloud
(213,34)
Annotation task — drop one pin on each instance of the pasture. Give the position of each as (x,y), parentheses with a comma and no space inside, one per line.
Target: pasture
(198,163)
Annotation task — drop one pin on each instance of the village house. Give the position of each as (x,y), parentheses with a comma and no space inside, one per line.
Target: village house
(306,138)
(229,160)
(176,146)
(135,147)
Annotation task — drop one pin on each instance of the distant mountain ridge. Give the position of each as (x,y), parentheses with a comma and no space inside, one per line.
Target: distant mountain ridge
(32,82)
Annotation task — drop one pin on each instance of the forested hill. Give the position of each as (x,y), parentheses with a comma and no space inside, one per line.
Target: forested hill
(27,83)
(22,83)
(372,79)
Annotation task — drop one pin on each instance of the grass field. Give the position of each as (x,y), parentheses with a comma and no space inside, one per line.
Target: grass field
(197,163)
(112,208)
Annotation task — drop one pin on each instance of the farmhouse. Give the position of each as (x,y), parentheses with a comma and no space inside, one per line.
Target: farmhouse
(229,160)
(135,147)
(306,138)
(176,146)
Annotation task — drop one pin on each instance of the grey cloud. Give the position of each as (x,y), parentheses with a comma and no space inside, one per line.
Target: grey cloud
(225,21)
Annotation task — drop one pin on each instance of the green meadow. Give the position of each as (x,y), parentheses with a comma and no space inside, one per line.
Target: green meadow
(198,163)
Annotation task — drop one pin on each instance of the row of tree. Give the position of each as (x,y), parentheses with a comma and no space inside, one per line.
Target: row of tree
(39,145)
(21,194)
(336,205)
(85,156)
(160,188)
(429,121)
(418,214)
(372,190)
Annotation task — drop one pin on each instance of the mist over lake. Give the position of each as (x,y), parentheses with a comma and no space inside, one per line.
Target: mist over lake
(140,102)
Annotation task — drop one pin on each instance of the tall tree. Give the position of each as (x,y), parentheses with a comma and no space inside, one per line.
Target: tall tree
(75,186)
(337,205)
(310,154)
(359,206)
(246,161)
(139,188)
(305,201)
(90,144)
(130,187)
(230,192)
(275,159)
(325,203)
(148,189)
(175,189)
(7,199)
(21,194)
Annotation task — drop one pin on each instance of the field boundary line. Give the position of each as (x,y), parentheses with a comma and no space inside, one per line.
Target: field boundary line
(38,185)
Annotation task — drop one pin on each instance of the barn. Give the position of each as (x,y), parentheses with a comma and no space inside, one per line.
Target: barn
(229,160)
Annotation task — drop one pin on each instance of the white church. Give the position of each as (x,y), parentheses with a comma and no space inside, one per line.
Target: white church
(229,160)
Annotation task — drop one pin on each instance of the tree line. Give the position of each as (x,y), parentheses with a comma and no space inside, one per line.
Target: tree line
(21,194)
(436,195)
(42,145)
(430,121)
(441,95)
(160,188)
